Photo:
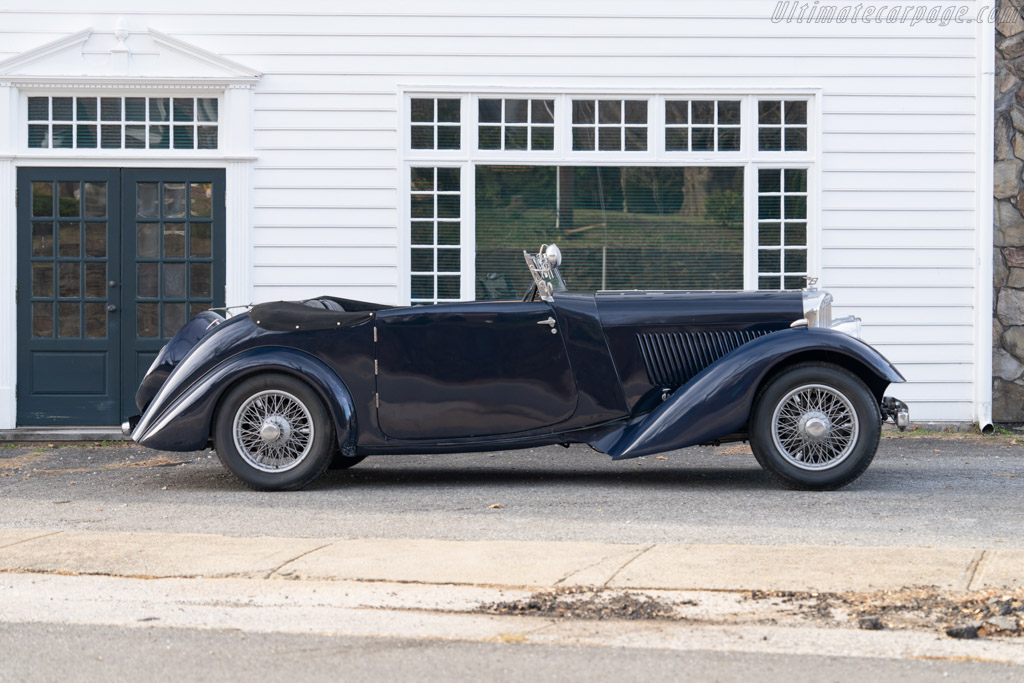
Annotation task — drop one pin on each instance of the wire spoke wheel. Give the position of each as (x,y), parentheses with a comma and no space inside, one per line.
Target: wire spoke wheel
(273,431)
(815,427)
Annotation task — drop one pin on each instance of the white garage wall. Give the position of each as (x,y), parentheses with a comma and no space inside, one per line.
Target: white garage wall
(897,134)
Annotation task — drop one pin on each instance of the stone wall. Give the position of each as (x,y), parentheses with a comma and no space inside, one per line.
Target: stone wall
(1008,253)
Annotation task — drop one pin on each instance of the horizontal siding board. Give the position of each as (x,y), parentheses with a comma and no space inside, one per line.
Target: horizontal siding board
(929,354)
(306,216)
(838,200)
(296,256)
(267,178)
(325,236)
(896,238)
(897,181)
(874,219)
(934,333)
(898,258)
(923,161)
(930,297)
(897,277)
(382,294)
(909,316)
(339,198)
(337,118)
(961,124)
(377,275)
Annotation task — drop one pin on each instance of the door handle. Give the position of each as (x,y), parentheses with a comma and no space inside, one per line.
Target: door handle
(550,321)
(111,307)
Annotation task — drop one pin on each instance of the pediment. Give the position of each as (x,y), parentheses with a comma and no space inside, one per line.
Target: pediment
(123,56)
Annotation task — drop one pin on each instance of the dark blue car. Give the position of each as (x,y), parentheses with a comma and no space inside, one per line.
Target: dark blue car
(293,386)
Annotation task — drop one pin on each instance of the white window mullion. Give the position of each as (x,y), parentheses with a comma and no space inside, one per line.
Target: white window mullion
(468,231)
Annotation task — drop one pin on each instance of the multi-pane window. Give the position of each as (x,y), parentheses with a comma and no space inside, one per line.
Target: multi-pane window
(679,207)
(436,234)
(123,122)
(435,123)
(702,125)
(609,125)
(516,124)
(174,254)
(69,260)
(782,125)
(781,228)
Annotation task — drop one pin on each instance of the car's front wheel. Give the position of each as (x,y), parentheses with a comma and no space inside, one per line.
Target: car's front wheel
(815,426)
(273,432)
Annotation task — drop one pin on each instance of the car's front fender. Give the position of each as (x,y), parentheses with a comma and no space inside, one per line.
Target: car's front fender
(718,401)
(182,421)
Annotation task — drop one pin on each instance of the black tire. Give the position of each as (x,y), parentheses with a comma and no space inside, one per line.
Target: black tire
(344,462)
(297,457)
(804,397)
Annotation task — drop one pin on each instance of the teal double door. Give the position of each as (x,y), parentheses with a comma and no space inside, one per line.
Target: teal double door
(111,263)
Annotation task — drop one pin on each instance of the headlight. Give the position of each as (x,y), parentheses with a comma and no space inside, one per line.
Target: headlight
(817,308)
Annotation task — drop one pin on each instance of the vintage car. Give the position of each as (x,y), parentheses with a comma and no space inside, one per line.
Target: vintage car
(290,387)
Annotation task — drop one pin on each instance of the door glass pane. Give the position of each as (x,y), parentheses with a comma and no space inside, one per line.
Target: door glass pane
(148,240)
(174,200)
(96,240)
(69,284)
(95,280)
(174,280)
(174,240)
(197,308)
(42,239)
(147,198)
(70,323)
(200,194)
(149,282)
(95,320)
(199,241)
(148,324)
(95,200)
(42,199)
(199,279)
(70,240)
(69,199)
(42,319)
(42,280)
(174,318)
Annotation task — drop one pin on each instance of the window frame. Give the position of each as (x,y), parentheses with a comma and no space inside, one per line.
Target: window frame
(223,124)
(469,156)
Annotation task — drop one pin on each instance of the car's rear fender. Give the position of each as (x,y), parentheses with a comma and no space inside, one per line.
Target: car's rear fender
(717,402)
(183,421)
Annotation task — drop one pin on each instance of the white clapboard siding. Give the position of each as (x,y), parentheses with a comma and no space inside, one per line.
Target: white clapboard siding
(897,138)
(939,238)
(324,235)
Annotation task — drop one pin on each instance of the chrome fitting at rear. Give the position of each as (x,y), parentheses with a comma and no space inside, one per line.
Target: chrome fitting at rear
(897,411)
(128,426)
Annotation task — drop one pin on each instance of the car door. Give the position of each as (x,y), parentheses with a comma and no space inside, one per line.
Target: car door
(471,370)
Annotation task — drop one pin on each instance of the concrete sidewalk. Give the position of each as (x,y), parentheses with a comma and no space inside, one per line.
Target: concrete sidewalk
(532,564)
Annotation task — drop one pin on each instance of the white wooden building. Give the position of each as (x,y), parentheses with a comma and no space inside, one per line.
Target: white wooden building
(157,161)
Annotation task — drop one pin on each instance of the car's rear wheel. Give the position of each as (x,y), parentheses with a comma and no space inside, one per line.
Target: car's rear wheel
(815,426)
(273,432)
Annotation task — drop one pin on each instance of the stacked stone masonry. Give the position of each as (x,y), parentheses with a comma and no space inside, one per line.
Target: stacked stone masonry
(1008,252)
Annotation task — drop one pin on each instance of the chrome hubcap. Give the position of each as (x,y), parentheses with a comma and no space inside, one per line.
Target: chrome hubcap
(815,427)
(273,431)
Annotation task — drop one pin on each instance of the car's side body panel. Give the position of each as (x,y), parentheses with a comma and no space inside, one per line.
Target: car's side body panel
(718,400)
(472,370)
